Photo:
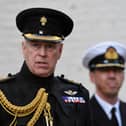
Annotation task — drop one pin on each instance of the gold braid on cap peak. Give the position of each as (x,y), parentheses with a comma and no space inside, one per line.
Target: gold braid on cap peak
(42,38)
(38,105)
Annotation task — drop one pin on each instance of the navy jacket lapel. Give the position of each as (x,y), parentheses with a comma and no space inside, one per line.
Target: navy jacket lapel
(123,112)
(99,117)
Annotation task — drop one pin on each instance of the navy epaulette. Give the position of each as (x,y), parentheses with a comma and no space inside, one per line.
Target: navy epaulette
(6,78)
(61,77)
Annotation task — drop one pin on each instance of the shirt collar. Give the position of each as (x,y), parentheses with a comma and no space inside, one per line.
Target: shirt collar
(107,106)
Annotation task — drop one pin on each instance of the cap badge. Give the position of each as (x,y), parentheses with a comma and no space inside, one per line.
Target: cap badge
(43,20)
(111,54)
(70,92)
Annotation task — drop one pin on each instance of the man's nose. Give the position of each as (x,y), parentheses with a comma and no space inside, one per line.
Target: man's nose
(43,51)
(111,73)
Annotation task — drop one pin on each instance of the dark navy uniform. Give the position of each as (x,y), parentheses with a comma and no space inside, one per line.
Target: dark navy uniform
(22,96)
(108,59)
(99,116)
(67,109)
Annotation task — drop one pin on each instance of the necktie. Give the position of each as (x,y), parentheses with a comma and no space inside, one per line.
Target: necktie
(114,119)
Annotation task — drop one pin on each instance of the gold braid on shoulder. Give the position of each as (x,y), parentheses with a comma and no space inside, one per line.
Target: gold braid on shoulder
(38,105)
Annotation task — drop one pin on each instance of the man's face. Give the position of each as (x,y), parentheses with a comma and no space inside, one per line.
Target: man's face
(41,57)
(107,81)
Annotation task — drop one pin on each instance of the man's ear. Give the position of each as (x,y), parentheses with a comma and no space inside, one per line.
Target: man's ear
(22,44)
(60,50)
(91,75)
(23,48)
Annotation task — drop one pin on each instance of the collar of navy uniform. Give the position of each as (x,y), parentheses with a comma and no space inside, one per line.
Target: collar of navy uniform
(44,82)
(26,72)
(108,107)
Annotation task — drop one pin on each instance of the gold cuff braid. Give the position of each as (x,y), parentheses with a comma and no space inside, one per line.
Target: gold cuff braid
(38,105)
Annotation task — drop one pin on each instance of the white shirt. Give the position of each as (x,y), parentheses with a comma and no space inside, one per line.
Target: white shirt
(107,108)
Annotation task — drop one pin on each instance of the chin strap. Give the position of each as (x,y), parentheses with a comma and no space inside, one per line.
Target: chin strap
(38,105)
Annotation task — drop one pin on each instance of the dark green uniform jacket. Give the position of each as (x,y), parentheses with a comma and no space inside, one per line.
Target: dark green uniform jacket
(67,109)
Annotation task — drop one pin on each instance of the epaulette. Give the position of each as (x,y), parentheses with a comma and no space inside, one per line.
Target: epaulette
(62,77)
(6,78)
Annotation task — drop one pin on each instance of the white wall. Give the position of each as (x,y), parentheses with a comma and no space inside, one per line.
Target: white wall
(95,21)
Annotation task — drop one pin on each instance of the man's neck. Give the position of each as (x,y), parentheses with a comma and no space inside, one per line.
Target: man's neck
(111,99)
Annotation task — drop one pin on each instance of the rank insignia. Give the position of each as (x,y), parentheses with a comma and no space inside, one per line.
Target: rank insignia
(70,92)
(76,100)
(43,21)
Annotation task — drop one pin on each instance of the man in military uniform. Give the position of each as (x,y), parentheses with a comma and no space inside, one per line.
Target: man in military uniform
(34,96)
(106,64)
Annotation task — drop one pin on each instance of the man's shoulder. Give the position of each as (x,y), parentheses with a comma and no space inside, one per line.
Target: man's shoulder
(68,81)
(71,83)
(7,78)
(123,103)
(72,88)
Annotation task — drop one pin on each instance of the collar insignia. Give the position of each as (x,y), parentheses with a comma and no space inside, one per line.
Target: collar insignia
(70,92)
(43,20)
(111,54)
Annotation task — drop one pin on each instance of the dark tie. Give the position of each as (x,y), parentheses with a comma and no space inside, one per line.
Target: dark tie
(114,119)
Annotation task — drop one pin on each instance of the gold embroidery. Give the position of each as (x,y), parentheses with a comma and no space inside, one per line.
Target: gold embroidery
(37,105)
(43,20)
(111,53)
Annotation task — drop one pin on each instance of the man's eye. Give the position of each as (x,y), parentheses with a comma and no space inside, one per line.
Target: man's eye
(50,46)
(34,44)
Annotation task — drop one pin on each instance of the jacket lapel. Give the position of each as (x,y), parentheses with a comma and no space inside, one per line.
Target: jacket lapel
(123,112)
(98,115)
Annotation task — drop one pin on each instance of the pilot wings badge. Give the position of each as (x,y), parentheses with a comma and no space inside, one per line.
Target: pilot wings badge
(70,92)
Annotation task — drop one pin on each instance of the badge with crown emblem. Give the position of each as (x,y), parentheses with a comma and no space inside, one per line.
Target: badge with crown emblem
(111,54)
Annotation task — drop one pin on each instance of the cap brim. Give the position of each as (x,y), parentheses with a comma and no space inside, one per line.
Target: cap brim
(110,65)
(33,37)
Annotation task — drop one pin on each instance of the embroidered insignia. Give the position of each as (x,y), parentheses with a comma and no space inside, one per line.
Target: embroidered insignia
(76,100)
(111,53)
(70,92)
(43,20)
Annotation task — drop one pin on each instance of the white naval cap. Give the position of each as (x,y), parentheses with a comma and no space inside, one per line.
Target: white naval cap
(105,54)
